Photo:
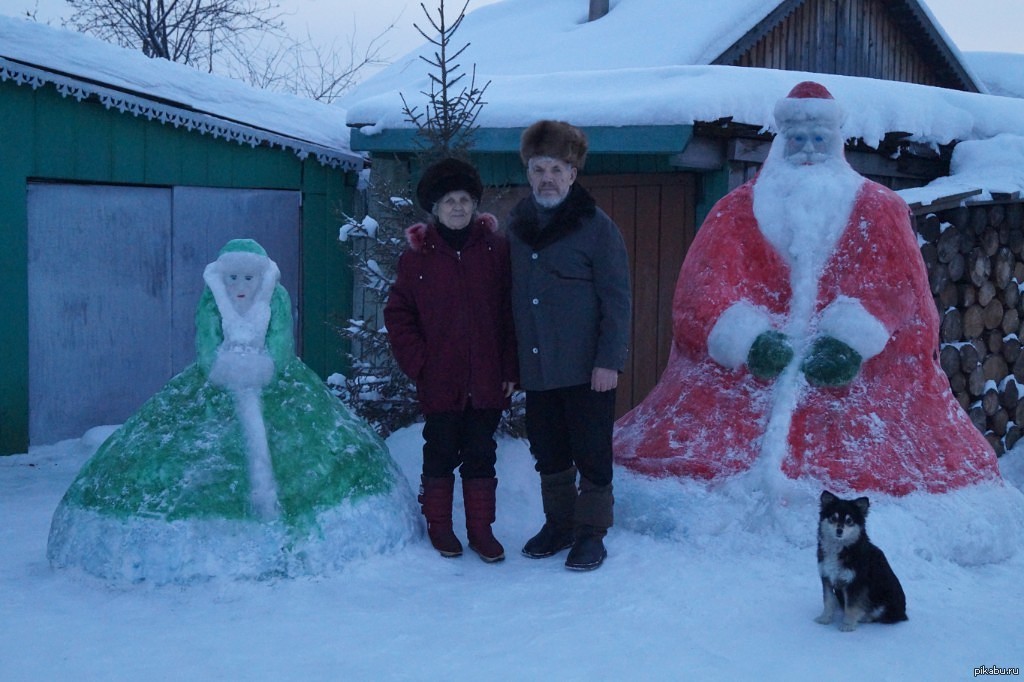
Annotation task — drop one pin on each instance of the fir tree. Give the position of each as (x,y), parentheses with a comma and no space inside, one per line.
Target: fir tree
(447,125)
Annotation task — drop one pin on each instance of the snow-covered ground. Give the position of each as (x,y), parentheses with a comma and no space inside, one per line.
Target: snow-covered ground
(713,605)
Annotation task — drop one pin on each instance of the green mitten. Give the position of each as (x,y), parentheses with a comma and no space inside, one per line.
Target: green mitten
(831,363)
(769,355)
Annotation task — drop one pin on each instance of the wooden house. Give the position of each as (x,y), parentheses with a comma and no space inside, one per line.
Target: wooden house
(682,96)
(120,179)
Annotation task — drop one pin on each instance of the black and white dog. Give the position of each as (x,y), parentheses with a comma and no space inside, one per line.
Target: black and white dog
(855,575)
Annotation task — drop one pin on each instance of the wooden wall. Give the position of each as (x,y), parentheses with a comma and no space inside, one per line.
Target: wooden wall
(656,214)
(848,37)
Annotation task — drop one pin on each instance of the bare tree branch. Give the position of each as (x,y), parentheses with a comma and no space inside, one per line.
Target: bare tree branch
(244,39)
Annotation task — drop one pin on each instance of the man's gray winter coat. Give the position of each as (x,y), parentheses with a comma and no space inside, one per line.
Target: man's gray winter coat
(571,295)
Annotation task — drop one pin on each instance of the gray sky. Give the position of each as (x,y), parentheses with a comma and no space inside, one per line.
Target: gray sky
(992,25)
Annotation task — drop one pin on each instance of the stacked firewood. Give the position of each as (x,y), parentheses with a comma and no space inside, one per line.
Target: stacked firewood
(975,260)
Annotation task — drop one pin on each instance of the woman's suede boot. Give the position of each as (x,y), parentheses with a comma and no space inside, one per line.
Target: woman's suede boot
(479,494)
(436,501)
(593,519)
(558,496)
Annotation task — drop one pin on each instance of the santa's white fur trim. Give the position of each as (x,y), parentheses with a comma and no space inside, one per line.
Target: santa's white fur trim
(791,110)
(850,322)
(733,334)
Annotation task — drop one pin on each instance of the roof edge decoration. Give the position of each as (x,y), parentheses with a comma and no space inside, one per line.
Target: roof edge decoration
(169,114)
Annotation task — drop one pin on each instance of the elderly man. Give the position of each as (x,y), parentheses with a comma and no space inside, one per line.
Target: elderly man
(571,303)
(805,335)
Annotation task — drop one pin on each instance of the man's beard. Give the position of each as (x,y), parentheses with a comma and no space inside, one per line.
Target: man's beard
(549,201)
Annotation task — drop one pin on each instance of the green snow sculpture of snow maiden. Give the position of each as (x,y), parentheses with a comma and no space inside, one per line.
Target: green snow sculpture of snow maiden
(242,466)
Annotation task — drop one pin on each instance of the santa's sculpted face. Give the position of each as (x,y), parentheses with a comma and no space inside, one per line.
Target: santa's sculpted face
(808,143)
(550,180)
(241,281)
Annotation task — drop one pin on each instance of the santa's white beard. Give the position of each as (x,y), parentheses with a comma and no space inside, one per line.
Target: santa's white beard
(803,209)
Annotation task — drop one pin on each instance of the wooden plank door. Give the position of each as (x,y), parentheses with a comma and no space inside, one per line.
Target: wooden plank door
(657,218)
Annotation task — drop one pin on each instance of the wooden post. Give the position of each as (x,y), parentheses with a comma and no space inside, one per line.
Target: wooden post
(598,8)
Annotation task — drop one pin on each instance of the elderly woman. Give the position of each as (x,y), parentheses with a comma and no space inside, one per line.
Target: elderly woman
(449,322)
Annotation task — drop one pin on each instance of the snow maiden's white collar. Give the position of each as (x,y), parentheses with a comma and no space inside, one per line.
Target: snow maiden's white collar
(245,329)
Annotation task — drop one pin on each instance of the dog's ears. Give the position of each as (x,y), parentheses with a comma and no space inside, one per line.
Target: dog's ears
(827,498)
(862,504)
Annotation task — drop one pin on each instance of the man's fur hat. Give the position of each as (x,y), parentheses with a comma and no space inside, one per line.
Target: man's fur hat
(556,139)
(448,175)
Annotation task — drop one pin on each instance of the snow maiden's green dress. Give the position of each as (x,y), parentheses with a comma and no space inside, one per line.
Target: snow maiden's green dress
(243,465)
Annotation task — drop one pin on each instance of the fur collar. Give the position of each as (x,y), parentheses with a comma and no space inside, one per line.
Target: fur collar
(569,217)
(420,234)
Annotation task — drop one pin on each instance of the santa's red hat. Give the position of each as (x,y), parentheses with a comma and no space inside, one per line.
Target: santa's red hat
(808,102)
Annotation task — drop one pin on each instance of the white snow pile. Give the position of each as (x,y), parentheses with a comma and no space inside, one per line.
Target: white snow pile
(973,526)
(993,165)
(1002,72)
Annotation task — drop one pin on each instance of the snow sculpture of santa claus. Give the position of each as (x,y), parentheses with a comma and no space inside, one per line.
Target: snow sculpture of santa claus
(805,336)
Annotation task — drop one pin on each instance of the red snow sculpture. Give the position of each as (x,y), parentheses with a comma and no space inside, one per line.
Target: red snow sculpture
(805,336)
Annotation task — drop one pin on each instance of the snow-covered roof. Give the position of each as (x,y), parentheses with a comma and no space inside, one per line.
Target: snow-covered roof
(80,66)
(979,170)
(648,62)
(1001,72)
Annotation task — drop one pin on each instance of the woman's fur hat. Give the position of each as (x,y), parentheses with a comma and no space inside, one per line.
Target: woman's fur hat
(448,175)
(556,139)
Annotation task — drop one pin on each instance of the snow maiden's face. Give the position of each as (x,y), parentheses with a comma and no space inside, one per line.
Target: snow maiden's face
(809,143)
(241,280)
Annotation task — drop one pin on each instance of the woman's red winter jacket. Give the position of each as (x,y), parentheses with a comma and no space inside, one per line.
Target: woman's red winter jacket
(449,317)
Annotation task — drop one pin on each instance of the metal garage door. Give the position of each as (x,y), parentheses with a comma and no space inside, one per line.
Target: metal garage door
(114,277)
